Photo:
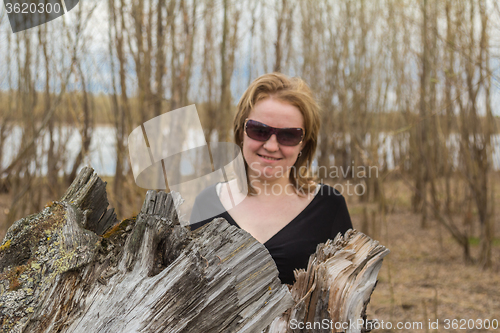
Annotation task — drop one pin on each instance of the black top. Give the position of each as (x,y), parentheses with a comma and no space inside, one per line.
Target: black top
(323,218)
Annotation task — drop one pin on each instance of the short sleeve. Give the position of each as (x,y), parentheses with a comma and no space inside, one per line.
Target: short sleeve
(342,220)
(206,207)
(195,215)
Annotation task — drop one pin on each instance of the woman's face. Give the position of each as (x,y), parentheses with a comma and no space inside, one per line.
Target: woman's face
(270,160)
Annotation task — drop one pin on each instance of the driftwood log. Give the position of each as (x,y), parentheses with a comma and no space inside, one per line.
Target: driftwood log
(334,291)
(74,267)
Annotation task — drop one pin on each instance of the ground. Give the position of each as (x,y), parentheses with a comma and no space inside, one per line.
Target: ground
(424,278)
(421,281)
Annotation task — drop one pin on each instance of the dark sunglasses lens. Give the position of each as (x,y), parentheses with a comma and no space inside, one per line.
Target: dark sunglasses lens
(258,131)
(290,136)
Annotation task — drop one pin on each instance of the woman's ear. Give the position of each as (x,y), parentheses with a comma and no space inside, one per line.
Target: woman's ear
(302,145)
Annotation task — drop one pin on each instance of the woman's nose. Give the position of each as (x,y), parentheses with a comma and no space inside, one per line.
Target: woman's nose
(272,143)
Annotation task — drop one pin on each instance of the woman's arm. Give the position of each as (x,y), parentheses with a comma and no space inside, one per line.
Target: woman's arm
(342,220)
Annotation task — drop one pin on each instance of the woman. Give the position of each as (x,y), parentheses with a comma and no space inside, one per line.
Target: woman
(277,126)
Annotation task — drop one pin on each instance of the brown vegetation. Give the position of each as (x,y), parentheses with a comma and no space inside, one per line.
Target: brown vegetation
(398,80)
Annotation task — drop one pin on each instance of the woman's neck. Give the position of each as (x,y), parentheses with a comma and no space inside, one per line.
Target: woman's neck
(273,187)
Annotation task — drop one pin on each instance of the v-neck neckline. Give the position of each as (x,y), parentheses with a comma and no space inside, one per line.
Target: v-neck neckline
(316,195)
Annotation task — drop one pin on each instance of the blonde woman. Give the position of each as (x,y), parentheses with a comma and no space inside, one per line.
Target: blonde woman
(277,126)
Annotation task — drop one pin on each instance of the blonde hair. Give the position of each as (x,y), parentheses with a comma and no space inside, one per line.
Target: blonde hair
(294,91)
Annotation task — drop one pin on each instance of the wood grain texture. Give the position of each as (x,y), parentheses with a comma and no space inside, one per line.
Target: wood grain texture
(335,288)
(74,268)
(69,269)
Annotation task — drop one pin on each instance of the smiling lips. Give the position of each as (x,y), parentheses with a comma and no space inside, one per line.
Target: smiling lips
(269,158)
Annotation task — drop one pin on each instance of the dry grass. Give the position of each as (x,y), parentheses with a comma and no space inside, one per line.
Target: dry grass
(424,277)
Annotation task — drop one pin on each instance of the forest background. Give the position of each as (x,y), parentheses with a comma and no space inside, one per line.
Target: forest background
(410,88)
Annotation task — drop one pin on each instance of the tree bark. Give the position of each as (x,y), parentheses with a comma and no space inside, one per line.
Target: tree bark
(74,268)
(335,288)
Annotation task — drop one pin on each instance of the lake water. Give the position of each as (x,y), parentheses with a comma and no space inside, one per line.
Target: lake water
(102,155)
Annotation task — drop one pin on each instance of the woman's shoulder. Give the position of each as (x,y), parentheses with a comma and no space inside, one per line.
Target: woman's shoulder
(206,205)
(332,200)
(207,192)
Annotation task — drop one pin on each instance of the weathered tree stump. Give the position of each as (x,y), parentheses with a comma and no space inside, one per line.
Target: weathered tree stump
(74,268)
(334,291)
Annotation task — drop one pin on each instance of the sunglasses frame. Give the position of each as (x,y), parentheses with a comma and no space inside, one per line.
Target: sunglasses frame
(275,130)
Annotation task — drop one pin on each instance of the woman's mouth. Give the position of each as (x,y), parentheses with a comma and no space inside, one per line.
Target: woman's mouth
(269,158)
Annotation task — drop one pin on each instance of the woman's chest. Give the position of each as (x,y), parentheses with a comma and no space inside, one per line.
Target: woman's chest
(265,219)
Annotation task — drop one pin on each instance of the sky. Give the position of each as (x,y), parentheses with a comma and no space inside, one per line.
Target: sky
(94,49)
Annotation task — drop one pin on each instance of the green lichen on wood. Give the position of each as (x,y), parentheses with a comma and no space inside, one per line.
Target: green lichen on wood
(5,245)
(61,239)
(79,249)
(13,276)
(40,248)
(28,234)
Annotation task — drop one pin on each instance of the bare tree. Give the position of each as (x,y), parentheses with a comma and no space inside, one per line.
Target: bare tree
(227,53)
(476,133)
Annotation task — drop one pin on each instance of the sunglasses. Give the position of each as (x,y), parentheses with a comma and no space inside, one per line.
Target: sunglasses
(262,132)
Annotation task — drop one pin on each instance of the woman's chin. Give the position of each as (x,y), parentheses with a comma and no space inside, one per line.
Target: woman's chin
(269,178)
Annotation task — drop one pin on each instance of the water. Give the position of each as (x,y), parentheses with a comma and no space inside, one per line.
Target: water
(67,141)
(102,151)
